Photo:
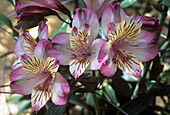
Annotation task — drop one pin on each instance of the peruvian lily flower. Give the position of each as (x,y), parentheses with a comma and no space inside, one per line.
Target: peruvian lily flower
(101,4)
(127,44)
(26,44)
(38,9)
(150,24)
(79,49)
(36,73)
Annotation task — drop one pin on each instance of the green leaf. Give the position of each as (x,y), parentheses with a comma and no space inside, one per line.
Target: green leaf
(166,3)
(61,28)
(110,94)
(89,99)
(126,3)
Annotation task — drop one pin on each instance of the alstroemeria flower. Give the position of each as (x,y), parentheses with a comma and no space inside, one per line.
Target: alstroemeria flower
(97,5)
(25,44)
(150,24)
(79,49)
(38,9)
(38,76)
(127,43)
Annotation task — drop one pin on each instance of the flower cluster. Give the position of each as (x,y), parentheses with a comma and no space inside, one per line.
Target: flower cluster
(130,40)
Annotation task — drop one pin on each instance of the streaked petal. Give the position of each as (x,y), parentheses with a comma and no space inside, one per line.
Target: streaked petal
(77,67)
(41,94)
(95,48)
(32,64)
(112,13)
(60,90)
(43,31)
(52,65)
(17,64)
(87,16)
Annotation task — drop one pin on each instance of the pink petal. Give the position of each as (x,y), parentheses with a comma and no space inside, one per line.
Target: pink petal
(61,50)
(18,48)
(108,69)
(60,90)
(104,53)
(17,74)
(16,64)
(87,16)
(96,45)
(41,50)
(112,13)
(41,94)
(77,67)
(43,31)
(144,48)
(101,4)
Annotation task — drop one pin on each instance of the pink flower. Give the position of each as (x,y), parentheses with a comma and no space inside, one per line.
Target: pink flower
(127,43)
(36,73)
(97,5)
(150,24)
(38,9)
(79,49)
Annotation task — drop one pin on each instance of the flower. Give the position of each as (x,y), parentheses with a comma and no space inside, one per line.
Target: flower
(36,73)
(101,4)
(79,49)
(127,43)
(150,24)
(38,9)
(25,44)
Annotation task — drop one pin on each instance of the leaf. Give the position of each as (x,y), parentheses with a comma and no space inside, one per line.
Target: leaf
(89,99)
(4,20)
(61,28)
(110,94)
(166,3)
(126,3)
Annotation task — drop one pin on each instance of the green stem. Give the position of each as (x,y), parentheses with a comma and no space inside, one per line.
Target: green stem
(95,104)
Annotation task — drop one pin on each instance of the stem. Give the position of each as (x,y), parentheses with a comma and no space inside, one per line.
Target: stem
(4,86)
(61,18)
(7,92)
(112,104)
(95,104)
(6,31)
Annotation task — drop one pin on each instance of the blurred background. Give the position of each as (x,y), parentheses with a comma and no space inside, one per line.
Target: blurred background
(12,104)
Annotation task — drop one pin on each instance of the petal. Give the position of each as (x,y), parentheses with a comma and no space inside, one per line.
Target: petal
(41,94)
(18,48)
(25,84)
(77,67)
(128,63)
(87,16)
(61,48)
(52,65)
(60,90)
(43,31)
(96,45)
(17,74)
(41,50)
(112,13)
(144,48)
(108,69)
(17,64)
(32,64)
(104,53)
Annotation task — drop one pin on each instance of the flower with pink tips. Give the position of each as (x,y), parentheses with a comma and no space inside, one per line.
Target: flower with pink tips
(79,49)
(128,44)
(36,73)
